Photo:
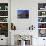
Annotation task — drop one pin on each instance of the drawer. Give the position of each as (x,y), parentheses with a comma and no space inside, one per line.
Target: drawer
(3,41)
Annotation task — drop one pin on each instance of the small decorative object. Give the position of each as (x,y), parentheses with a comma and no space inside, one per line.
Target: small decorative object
(13,27)
(6,7)
(41,8)
(43,13)
(31,27)
(41,19)
(4,29)
(3,19)
(42,32)
(43,39)
(22,14)
(0,7)
(43,25)
(45,7)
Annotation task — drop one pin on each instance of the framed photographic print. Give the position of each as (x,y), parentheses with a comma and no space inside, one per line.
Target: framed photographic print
(23,14)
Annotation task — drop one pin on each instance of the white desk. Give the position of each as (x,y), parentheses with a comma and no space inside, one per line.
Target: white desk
(20,32)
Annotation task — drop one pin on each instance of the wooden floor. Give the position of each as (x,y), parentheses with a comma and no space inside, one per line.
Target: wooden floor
(3,45)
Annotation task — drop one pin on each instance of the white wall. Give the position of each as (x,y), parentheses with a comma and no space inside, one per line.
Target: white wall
(3,1)
(32,6)
(23,24)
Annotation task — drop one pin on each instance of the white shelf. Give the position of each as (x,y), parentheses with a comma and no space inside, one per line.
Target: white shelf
(42,16)
(41,22)
(3,22)
(41,10)
(3,10)
(41,28)
(3,16)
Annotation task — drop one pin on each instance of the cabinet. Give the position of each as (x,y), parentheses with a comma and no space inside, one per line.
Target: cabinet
(42,19)
(4,19)
(3,40)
